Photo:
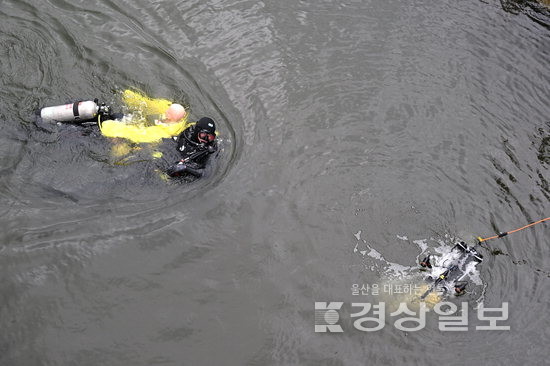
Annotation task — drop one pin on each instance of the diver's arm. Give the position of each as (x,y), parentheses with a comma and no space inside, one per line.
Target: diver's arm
(183,166)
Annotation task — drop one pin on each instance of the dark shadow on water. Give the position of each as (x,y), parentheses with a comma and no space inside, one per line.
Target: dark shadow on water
(544,150)
(538,11)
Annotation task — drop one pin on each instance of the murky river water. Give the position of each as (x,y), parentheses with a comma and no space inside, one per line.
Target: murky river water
(345,125)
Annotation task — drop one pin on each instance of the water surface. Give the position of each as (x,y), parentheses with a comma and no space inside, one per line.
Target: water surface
(417,120)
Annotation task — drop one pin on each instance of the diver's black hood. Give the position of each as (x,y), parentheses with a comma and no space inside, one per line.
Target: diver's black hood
(206,124)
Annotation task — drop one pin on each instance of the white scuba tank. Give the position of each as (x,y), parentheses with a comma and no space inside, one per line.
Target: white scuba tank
(78,111)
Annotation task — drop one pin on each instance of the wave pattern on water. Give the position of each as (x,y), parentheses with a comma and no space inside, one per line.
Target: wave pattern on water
(405,120)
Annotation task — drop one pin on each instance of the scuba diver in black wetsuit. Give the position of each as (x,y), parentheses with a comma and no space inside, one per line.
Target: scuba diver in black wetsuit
(195,144)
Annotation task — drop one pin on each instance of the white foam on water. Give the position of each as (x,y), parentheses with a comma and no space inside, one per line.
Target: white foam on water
(422,244)
(473,273)
(376,254)
(387,269)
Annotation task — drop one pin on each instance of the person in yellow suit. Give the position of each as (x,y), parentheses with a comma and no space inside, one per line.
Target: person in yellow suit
(148,121)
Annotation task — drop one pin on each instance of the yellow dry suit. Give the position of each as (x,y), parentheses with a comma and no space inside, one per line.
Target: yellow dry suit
(137,130)
(141,137)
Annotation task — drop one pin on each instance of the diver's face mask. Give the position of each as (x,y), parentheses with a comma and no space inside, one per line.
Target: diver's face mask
(205,137)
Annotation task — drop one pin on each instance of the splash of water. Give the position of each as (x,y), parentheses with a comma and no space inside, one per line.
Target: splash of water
(395,274)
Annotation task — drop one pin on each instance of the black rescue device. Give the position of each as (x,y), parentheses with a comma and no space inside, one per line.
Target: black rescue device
(450,275)
(450,271)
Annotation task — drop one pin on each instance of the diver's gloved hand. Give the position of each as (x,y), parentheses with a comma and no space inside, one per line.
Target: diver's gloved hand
(177,169)
(195,172)
(180,168)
